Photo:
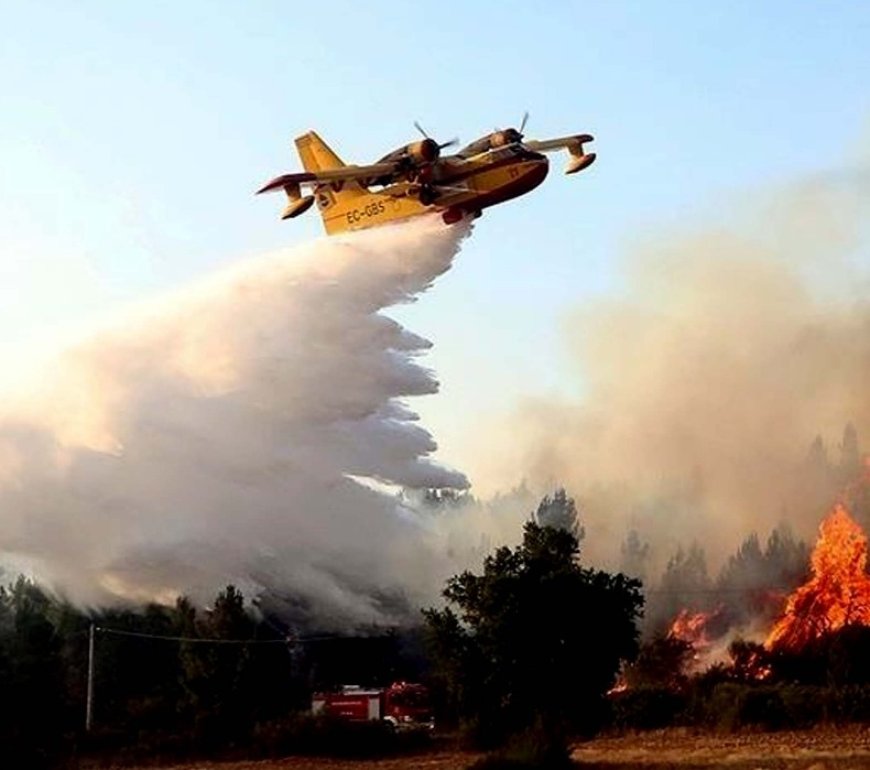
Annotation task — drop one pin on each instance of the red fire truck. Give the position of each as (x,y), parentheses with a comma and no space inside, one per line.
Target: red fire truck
(402,705)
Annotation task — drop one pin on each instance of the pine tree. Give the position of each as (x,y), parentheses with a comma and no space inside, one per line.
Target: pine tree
(559,511)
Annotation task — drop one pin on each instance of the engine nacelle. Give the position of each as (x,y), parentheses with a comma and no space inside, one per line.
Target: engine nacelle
(415,154)
(504,138)
(424,151)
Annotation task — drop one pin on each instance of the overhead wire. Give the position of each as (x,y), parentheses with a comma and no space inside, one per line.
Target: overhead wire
(291,639)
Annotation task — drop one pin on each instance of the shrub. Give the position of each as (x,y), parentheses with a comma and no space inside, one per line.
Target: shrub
(849,704)
(804,706)
(761,707)
(647,708)
(732,706)
(531,749)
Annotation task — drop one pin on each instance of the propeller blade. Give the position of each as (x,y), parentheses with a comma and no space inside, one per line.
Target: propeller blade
(441,145)
(523,122)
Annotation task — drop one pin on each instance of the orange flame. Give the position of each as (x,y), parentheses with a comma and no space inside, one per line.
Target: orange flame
(838,591)
(698,630)
(691,627)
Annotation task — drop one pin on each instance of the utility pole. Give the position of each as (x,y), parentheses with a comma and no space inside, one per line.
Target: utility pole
(89,709)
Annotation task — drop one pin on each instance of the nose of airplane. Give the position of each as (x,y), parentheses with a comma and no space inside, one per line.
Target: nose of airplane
(537,171)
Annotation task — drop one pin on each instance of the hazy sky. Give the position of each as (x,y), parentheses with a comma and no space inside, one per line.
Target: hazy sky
(134,134)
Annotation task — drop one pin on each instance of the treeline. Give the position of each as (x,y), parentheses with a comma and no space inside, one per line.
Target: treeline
(750,584)
(175,682)
(530,653)
(527,648)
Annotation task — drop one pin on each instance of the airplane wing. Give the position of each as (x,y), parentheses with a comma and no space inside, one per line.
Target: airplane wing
(574,144)
(549,145)
(343,174)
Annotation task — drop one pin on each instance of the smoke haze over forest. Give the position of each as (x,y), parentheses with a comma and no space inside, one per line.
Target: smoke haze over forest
(217,435)
(704,383)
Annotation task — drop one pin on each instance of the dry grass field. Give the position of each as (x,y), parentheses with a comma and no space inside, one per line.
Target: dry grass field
(435,761)
(819,749)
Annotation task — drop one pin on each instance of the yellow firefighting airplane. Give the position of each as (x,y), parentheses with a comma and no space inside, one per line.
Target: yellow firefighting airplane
(417,179)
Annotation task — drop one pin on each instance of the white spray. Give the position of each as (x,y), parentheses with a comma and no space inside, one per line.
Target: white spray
(219,434)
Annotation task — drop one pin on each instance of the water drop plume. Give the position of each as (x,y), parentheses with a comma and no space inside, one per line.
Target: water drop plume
(220,434)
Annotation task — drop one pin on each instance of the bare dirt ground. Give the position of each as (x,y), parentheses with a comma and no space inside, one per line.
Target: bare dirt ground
(434,761)
(818,749)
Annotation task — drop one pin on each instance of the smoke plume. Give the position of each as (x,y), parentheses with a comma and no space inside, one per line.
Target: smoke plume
(233,432)
(703,385)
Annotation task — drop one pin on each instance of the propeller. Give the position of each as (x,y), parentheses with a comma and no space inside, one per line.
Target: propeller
(523,123)
(441,145)
(511,135)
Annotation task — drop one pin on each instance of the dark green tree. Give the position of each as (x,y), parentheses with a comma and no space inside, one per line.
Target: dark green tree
(750,581)
(685,584)
(744,569)
(817,455)
(634,555)
(217,676)
(559,511)
(136,678)
(850,454)
(32,706)
(787,560)
(534,641)
(661,662)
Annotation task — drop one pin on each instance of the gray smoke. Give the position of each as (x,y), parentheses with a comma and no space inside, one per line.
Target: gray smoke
(706,380)
(238,431)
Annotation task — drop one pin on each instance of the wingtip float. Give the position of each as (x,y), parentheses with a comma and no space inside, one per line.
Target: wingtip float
(418,179)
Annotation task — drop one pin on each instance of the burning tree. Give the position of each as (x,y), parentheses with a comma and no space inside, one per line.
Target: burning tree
(838,591)
(749,590)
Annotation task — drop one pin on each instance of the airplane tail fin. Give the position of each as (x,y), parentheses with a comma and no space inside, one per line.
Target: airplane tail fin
(316,156)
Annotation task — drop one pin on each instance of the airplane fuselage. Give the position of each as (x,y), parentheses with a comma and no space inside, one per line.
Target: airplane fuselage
(466,187)
(494,181)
